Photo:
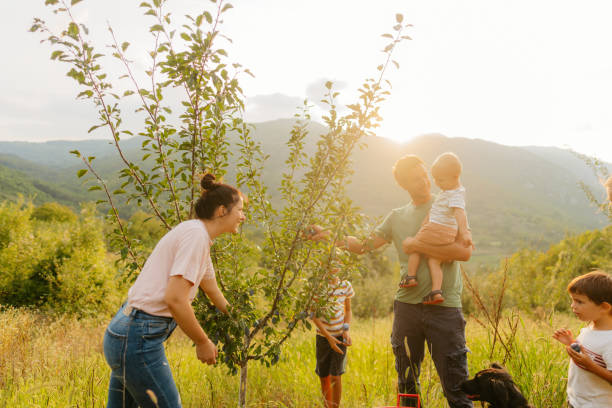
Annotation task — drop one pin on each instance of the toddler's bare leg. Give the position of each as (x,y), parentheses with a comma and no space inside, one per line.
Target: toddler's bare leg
(409,280)
(435,271)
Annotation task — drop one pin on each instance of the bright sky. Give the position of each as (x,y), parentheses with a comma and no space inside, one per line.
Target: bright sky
(519,72)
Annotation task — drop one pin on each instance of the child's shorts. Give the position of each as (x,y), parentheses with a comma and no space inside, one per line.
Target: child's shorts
(433,233)
(330,362)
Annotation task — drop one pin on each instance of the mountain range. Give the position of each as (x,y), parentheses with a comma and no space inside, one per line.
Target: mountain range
(517,196)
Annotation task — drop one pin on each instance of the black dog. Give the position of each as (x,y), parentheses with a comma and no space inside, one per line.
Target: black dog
(495,386)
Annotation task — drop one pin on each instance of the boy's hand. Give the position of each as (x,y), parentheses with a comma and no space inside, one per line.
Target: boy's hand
(346,337)
(564,336)
(582,360)
(333,343)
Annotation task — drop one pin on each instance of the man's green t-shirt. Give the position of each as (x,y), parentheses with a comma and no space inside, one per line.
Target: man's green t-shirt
(405,222)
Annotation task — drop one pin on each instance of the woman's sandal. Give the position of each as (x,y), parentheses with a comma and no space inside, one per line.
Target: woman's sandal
(408,282)
(433,298)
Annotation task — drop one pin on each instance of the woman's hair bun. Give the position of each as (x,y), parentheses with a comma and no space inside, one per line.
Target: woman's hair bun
(208,182)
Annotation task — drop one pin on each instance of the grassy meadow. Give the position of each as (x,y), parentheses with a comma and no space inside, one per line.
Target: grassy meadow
(58,362)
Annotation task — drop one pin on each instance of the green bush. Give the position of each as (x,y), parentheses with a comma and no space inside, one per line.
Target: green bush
(538,280)
(61,267)
(51,212)
(376,286)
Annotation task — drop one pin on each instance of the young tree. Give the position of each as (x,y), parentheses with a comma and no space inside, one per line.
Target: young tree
(601,171)
(273,286)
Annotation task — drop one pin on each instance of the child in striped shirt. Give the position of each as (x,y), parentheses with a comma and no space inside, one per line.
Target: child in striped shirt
(589,381)
(333,337)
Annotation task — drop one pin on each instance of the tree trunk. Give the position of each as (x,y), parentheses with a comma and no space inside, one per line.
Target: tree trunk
(243,384)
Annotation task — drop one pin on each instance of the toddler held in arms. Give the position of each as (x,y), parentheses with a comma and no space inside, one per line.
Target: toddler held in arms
(446,220)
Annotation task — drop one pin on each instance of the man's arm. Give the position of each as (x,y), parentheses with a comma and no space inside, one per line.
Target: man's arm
(445,253)
(350,243)
(358,246)
(209,286)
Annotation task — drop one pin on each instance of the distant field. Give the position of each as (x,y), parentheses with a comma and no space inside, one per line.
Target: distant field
(58,363)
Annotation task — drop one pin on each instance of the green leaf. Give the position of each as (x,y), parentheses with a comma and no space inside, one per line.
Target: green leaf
(94,127)
(399,18)
(73,2)
(124,46)
(156,27)
(73,30)
(208,17)
(185,37)
(51,2)
(199,20)
(81,173)
(94,188)
(226,7)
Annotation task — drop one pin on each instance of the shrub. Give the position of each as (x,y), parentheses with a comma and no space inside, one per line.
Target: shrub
(64,269)
(53,212)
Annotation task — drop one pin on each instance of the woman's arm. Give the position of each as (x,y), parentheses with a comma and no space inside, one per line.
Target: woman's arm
(177,299)
(209,286)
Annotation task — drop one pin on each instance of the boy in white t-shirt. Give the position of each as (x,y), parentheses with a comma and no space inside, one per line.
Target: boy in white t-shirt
(446,222)
(589,381)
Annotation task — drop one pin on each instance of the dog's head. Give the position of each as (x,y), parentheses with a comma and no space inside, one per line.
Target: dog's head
(495,386)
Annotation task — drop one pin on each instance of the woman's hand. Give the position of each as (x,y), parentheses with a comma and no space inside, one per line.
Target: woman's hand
(564,336)
(207,352)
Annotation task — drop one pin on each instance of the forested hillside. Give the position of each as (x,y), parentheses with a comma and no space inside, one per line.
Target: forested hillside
(516,196)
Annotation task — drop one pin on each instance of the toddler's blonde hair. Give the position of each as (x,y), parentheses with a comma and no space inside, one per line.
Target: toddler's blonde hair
(446,164)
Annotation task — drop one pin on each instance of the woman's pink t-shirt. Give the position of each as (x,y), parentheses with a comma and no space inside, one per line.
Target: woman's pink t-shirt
(183,251)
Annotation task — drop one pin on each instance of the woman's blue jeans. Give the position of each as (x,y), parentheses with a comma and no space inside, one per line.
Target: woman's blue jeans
(134,350)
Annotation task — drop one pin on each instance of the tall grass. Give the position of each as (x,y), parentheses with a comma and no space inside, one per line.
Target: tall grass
(58,362)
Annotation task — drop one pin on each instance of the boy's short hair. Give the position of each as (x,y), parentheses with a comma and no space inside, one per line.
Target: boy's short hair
(596,285)
(446,164)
